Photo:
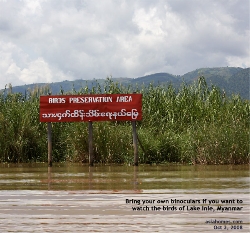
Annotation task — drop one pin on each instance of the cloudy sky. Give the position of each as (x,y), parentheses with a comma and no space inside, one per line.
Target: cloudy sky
(56,40)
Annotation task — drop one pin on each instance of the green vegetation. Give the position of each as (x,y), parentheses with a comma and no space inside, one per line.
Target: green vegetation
(193,124)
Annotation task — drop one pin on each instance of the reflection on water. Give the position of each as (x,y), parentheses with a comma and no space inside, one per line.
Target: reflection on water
(83,177)
(79,198)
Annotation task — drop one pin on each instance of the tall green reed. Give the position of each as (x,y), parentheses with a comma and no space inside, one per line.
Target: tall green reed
(194,124)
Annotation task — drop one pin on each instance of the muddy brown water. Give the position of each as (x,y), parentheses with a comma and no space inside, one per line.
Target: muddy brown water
(165,198)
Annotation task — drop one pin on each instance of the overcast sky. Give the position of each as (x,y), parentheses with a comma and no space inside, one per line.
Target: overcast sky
(56,40)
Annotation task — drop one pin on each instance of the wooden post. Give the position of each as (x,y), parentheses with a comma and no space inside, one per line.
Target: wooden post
(49,144)
(91,152)
(135,144)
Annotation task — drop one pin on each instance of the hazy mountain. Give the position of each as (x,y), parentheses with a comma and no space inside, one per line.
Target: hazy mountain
(230,79)
(220,72)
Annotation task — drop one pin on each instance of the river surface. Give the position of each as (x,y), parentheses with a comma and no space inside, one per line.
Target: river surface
(165,198)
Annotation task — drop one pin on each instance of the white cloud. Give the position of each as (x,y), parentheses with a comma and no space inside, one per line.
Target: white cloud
(19,69)
(31,7)
(49,41)
(238,61)
(36,71)
(149,22)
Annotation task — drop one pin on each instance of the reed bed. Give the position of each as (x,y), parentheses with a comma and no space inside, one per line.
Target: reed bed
(194,124)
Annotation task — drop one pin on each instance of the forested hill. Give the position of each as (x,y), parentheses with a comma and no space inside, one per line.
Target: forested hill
(230,79)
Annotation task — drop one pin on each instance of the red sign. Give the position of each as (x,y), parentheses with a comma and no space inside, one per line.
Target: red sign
(102,107)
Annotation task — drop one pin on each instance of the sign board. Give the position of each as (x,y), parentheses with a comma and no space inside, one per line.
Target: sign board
(99,107)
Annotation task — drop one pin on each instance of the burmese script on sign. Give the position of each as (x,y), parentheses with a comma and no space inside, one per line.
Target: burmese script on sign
(102,107)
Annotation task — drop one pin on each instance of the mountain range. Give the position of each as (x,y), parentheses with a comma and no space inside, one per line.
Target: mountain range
(233,80)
